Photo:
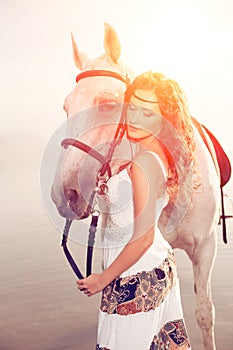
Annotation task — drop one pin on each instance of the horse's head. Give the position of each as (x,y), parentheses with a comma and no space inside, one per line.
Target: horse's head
(93,111)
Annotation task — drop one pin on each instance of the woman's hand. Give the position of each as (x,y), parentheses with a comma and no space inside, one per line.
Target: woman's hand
(91,284)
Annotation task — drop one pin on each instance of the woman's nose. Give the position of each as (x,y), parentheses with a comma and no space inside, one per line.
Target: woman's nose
(134,117)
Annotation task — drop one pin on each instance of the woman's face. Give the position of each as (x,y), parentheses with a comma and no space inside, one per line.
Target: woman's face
(143,115)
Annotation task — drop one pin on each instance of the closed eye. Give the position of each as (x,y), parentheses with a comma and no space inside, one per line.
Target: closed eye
(148,112)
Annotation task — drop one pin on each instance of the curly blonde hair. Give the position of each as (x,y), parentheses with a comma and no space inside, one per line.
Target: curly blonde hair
(174,108)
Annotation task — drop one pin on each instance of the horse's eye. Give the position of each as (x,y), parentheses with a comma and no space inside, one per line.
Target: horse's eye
(107,107)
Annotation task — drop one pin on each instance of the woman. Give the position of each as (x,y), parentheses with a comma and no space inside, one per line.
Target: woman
(141,307)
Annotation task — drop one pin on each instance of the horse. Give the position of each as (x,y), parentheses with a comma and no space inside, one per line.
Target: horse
(196,233)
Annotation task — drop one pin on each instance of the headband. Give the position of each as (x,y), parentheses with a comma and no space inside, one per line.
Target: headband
(142,99)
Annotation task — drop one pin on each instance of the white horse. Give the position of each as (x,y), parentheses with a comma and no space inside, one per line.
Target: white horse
(196,233)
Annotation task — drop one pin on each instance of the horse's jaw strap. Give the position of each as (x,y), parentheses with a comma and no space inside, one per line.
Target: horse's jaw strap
(90,151)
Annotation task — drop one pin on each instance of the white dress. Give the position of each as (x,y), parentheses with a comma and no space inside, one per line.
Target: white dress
(141,309)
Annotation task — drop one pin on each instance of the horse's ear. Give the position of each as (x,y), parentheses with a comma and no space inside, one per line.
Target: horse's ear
(79,57)
(112,43)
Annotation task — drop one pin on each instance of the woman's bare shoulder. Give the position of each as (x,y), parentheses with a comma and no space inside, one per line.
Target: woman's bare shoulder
(148,175)
(149,162)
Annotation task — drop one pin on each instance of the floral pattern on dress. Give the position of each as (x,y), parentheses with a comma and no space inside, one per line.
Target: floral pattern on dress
(141,292)
(172,336)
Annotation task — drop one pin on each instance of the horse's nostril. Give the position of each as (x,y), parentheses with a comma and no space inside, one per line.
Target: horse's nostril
(71,196)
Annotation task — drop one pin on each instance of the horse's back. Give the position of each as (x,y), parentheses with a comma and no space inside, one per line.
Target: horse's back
(202,213)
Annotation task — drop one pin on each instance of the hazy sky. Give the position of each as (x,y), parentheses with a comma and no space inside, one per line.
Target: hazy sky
(191,41)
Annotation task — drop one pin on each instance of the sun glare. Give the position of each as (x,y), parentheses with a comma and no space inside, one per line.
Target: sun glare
(168,41)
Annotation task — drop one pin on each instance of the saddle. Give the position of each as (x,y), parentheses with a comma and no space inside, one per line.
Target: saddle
(222,164)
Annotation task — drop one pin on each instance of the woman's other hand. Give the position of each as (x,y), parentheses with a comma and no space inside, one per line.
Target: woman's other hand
(91,284)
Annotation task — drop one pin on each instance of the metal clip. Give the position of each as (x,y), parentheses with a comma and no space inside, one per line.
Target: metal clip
(102,189)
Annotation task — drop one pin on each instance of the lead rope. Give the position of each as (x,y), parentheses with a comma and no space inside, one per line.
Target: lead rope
(91,242)
(66,250)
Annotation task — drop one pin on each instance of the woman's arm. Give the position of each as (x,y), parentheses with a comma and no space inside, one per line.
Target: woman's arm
(148,184)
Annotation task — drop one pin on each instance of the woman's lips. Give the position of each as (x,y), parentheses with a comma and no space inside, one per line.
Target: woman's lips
(132,128)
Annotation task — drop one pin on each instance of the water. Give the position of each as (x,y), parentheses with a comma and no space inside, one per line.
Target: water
(41,308)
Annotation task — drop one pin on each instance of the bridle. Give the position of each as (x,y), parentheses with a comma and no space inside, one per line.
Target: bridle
(103,174)
(102,73)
